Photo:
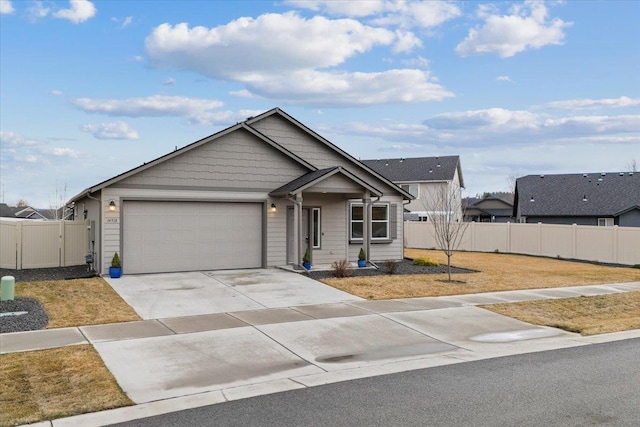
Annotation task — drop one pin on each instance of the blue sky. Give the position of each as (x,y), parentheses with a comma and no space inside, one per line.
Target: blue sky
(91,89)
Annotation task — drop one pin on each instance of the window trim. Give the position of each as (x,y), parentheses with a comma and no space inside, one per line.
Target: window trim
(608,222)
(386,238)
(408,189)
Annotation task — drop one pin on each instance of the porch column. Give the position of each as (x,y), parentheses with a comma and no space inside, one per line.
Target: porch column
(297,226)
(366,224)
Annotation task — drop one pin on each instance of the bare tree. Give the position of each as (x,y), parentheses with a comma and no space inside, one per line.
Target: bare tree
(632,166)
(58,202)
(446,217)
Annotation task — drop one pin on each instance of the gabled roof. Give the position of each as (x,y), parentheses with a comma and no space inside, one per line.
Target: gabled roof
(418,169)
(246,125)
(589,194)
(312,178)
(191,146)
(335,148)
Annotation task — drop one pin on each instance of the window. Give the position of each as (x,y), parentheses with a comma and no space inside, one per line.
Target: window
(605,222)
(315,231)
(413,189)
(379,221)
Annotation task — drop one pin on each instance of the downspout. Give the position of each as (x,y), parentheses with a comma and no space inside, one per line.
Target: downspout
(93,242)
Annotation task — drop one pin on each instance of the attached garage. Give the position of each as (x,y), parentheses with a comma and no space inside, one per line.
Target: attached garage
(166,236)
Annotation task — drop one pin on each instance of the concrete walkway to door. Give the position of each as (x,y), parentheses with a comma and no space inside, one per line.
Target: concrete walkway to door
(156,296)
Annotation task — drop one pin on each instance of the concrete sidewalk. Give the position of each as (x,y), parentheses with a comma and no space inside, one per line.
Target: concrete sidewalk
(169,364)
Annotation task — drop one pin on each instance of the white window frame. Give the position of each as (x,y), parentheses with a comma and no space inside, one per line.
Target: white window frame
(407,188)
(605,222)
(387,221)
(316,230)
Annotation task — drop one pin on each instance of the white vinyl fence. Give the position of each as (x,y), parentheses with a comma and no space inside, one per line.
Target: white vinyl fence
(618,245)
(40,244)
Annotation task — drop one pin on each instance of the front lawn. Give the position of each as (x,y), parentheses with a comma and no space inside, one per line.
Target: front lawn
(495,272)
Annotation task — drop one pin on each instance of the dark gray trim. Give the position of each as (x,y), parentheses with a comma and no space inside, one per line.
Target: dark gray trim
(393,221)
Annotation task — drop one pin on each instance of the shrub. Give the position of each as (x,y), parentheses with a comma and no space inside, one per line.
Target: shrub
(307,256)
(426,262)
(361,255)
(341,268)
(115,262)
(636,266)
(390,266)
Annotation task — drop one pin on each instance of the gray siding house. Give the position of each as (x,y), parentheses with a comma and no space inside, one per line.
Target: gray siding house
(256,194)
(603,199)
(424,178)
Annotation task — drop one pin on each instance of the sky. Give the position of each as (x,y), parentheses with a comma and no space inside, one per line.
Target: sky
(91,89)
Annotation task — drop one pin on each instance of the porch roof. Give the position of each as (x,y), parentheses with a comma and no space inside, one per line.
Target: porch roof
(308,180)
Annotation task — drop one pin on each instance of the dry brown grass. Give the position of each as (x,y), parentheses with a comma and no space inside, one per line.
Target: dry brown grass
(586,315)
(49,384)
(496,272)
(78,302)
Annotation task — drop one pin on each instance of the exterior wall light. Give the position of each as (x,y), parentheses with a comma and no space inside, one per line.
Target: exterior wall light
(273,207)
(112,206)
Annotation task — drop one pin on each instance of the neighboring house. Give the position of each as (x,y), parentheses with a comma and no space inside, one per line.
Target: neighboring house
(488,209)
(23,212)
(423,178)
(256,194)
(603,199)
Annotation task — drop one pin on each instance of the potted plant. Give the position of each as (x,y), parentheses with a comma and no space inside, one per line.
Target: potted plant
(362,258)
(115,270)
(306,260)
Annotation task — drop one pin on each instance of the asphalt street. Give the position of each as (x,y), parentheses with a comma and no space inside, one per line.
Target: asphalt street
(589,385)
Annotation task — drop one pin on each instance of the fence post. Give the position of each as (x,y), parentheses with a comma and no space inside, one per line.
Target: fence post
(539,250)
(508,236)
(574,243)
(19,245)
(615,244)
(61,239)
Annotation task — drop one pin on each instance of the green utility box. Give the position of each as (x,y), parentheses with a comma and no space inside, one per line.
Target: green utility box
(8,287)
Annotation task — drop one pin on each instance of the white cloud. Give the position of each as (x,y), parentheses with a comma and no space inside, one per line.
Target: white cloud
(137,58)
(61,152)
(6,7)
(406,41)
(243,93)
(127,21)
(341,7)
(80,11)
(497,127)
(56,92)
(504,79)
(115,130)
(37,11)
(585,104)
(289,57)
(151,106)
(423,14)
(222,117)
(277,42)
(315,88)
(405,14)
(506,35)
(169,82)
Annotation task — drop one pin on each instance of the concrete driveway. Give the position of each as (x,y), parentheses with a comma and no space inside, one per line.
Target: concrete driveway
(156,296)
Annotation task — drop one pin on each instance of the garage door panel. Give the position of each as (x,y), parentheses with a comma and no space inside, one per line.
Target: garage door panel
(188,236)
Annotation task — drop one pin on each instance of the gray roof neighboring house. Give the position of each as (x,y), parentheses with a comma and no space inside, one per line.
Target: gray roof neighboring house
(418,169)
(577,195)
(24,212)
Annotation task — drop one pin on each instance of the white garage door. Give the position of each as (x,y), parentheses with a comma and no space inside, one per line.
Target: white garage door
(188,236)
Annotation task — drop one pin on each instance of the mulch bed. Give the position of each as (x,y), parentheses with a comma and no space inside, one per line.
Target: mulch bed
(403,267)
(54,273)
